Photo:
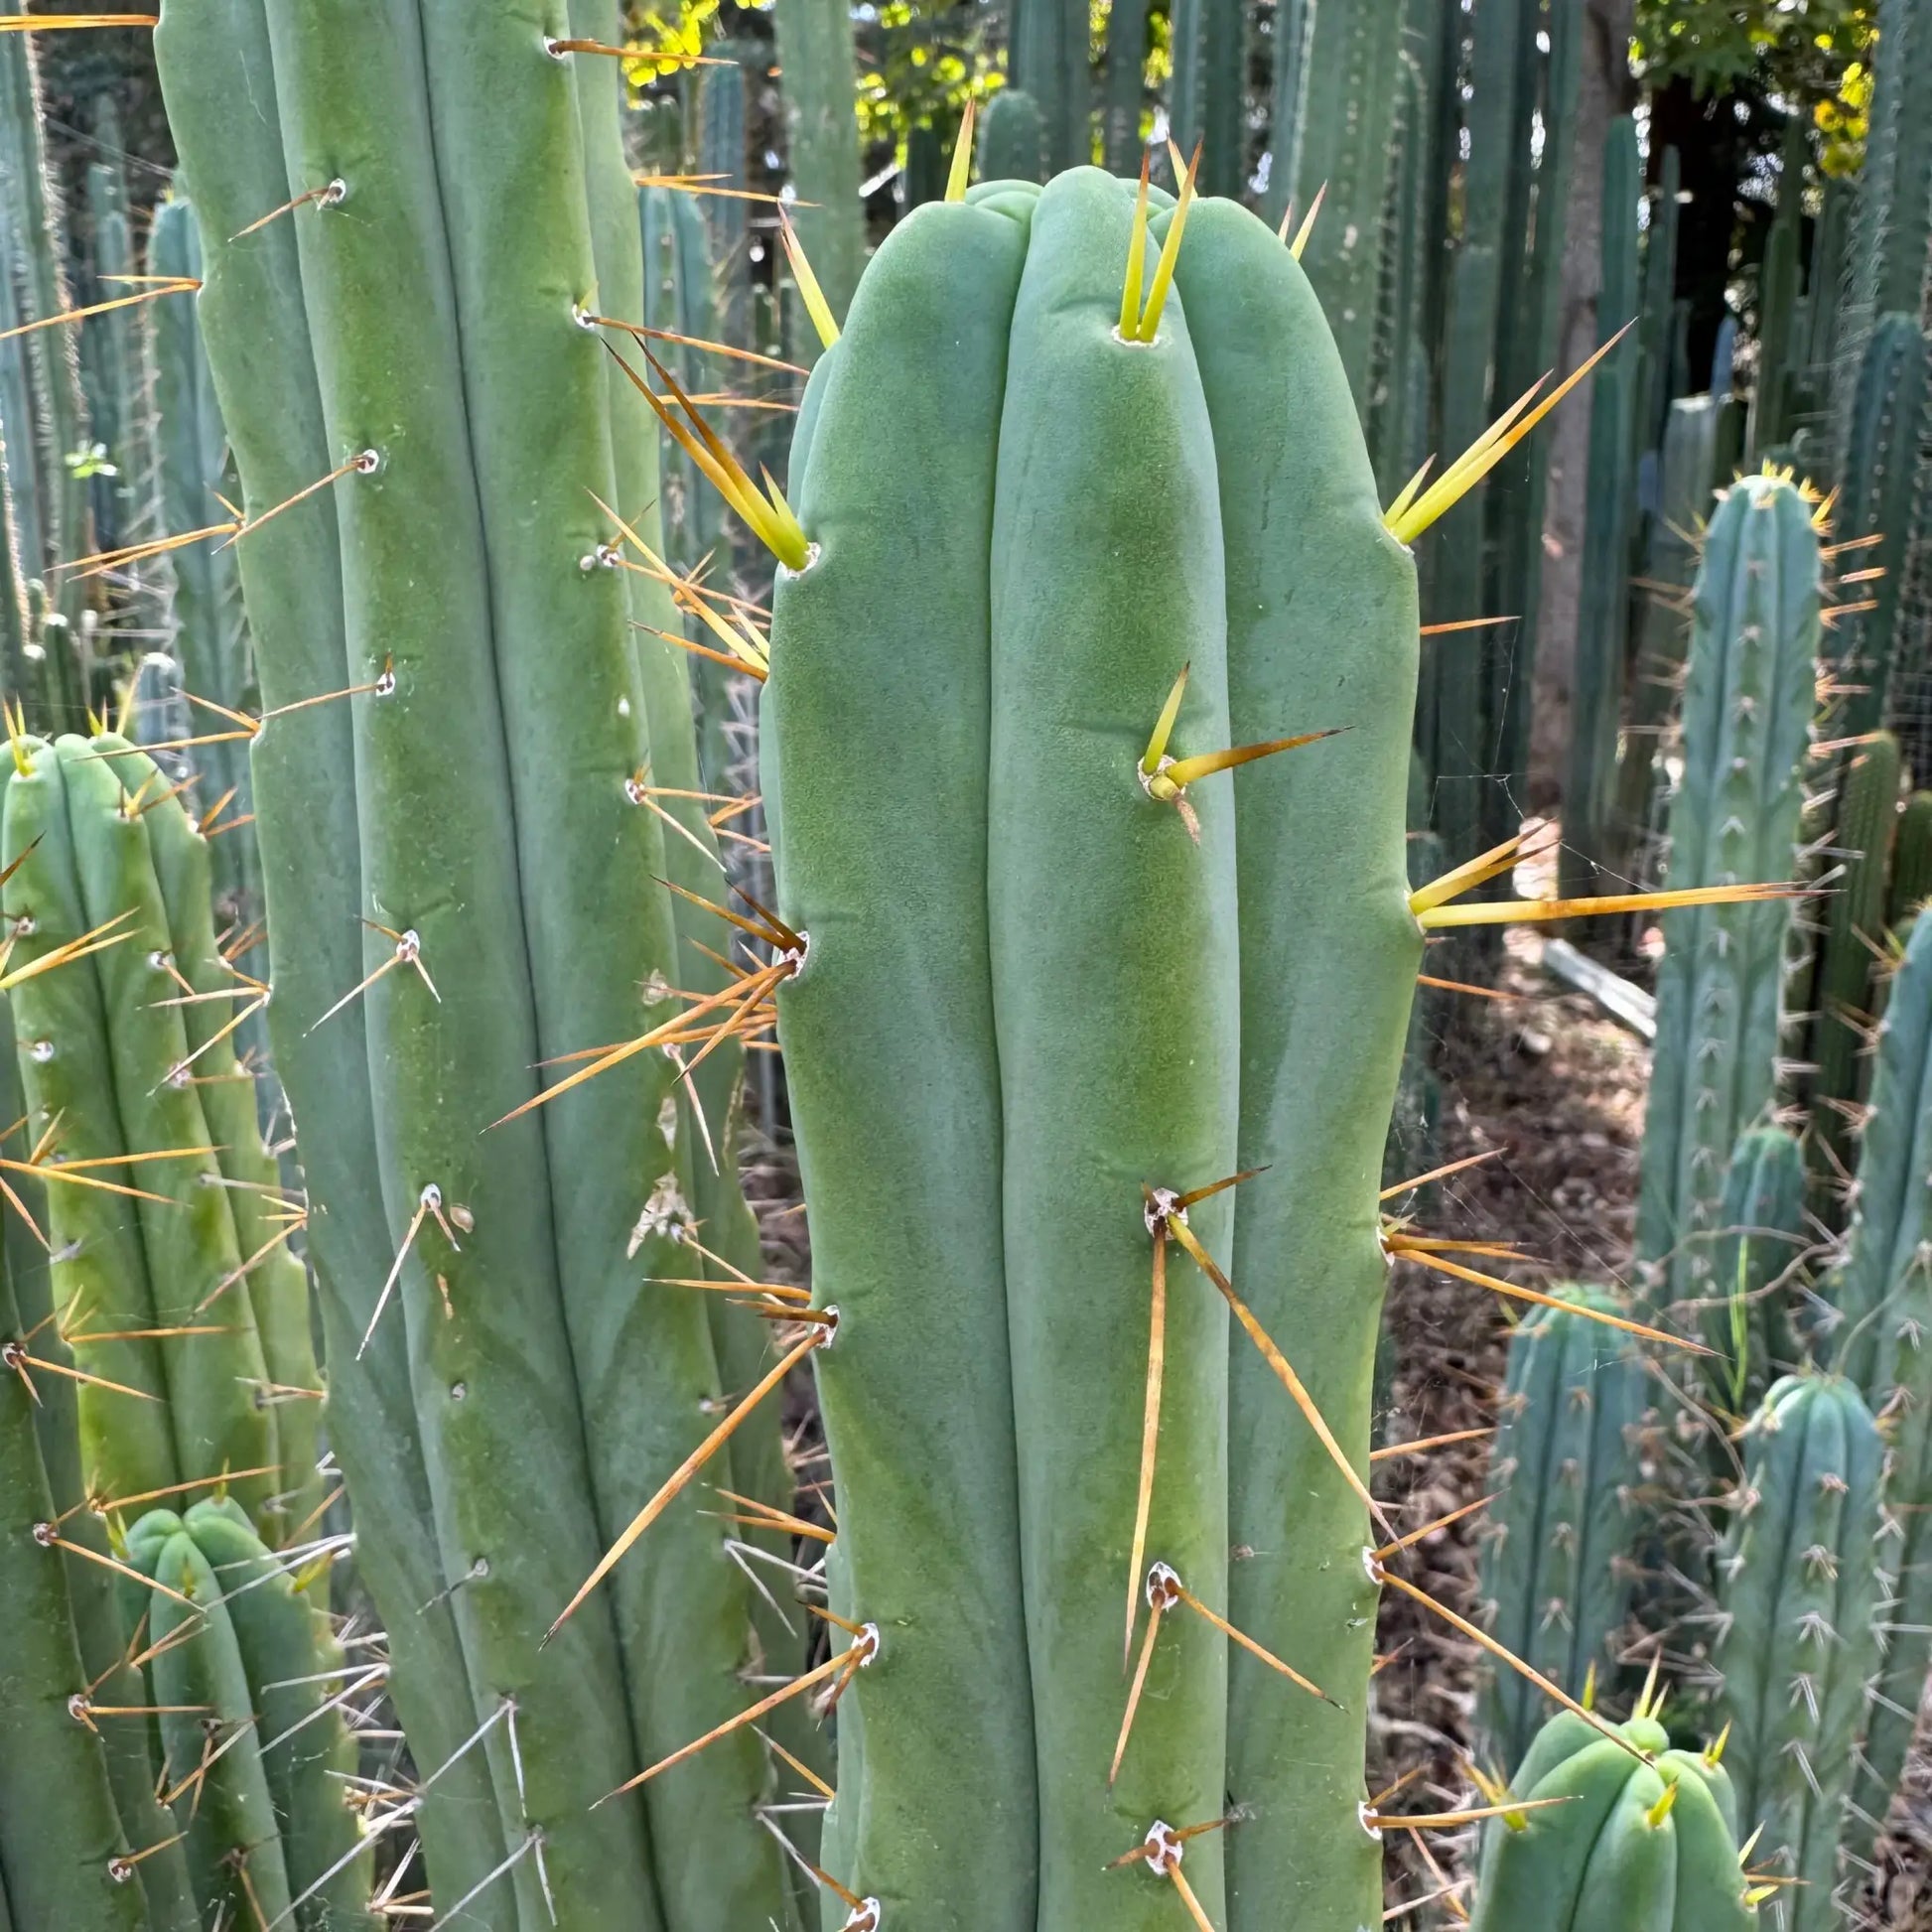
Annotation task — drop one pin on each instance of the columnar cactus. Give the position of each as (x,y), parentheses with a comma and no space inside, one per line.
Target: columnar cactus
(1208,103)
(820,70)
(1627,1832)
(1558,1568)
(1796,1638)
(1013,139)
(1865,814)
(1762,1241)
(1746,736)
(208,631)
(1880,1307)
(112,1048)
(510,907)
(250,1684)
(1911,862)
(1047,55)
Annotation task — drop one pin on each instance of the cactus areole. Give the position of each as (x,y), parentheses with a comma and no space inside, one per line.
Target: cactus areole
(1066,972)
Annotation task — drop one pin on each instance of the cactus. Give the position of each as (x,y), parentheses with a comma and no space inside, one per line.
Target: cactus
(819,70)
(1207,106)
(75,1807)
(1343,136)
(111,345)
(56,427)
(1747,1318)
(245,1673)
(1877,1301)
(1636,1835)
(1877,514)
(1686,482)
(1013,138)
(1850,948)
(1125,88)
(207,633)
(1604,611)
(1046,58)
(550,1392)
(1796,1636)
(1780,317)
(721,158)
(1911,862)
(1557,1570)
(107,1048)
(1746,736)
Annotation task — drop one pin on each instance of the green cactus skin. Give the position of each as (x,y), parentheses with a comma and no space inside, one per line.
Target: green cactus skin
(1013,139)
(1880,1309)
(273,1803)
(1866,813)
(209,634)
(1343,136)
(1596,694)
(1686,479)
(112,344)
(1556,1571)
(17,430)
(1206,104)
(59,1829)
(1881,482)
(1911,862)
(552,1395)
(1779,307)
(1124,89)
(209,53)
(102,1052)
(58,420)
(1047,56)
(1796,1627)
(951,969)
(720,156)
(818,66)
(1746,733)
(276,1285)
(1765,1234)
(1605,1861)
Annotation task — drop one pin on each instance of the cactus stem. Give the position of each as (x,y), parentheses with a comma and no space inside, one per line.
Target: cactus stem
(1396,1451)
(819,1337)
(1489,448)
(1156,1355)
(816,305)
(961,171)
(167,285)
(1280,1363)
(1501,1651)
(1396,1244)
(1307,228)
(856,1657)
(1441,1522)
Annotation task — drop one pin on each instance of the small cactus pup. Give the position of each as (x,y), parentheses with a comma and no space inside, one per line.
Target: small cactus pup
(1558,1567)
(1062,1104)
(1746,740)
(250,1683)
(1796,1636)
(1877,1307)
(151,1272)
(1620,1832)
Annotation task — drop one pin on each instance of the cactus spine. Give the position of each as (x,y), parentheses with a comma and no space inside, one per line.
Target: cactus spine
(1879,1304)
(1747,734)
(1645,1840)
(1796,1633)
(1556,1573)
(1194,1065)
(260,1760)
